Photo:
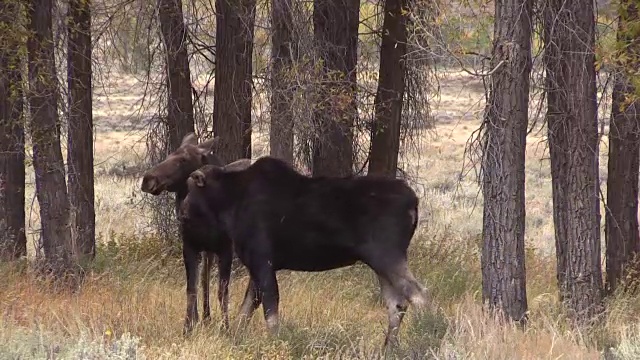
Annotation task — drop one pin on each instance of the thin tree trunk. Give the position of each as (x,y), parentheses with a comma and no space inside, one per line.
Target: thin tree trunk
(80,130)
(336,34)
(503,255)
(180,106)
(621,228)
(13,243)
(51,189)
(233,76)
(284,49)
(569,38)
(385,133)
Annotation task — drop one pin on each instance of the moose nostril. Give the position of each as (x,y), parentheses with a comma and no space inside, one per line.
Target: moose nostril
(147,183)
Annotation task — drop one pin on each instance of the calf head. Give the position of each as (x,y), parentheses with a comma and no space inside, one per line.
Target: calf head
(206,185)
(208,177)
(172,172)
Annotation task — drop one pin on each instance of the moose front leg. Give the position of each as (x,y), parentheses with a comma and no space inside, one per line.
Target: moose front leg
(206,285)
(191,260)
(225,257)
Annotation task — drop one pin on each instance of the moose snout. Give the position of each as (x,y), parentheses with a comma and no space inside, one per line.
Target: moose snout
(149,184)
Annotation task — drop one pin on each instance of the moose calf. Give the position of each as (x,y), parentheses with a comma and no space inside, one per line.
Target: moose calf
(281,219)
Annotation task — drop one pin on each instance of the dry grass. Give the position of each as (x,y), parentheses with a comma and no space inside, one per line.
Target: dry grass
(133,290)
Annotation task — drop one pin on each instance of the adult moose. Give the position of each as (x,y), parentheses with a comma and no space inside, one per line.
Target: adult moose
(281,219)
(171,175)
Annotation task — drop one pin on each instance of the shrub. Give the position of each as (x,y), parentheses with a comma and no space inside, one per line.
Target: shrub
(23,344)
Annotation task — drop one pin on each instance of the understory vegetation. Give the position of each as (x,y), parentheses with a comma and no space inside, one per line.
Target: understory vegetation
(131,304)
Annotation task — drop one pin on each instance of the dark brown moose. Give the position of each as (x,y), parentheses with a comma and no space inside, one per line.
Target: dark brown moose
(171,175)
(281,219)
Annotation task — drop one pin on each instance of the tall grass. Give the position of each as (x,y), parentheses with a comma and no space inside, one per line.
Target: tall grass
(133,303)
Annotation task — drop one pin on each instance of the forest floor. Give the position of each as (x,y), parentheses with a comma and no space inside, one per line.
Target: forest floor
(133,302)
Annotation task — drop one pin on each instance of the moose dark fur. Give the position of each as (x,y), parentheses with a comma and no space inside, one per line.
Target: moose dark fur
(171,175)
(281,219)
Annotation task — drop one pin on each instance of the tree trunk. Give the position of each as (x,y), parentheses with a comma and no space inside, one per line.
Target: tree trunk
(13,243)
(283,50)
(385,132)
(621,228)
(336,34)
(569,38)
(180,106)
(51,189)
(233,76)
(80,130)
(503,255)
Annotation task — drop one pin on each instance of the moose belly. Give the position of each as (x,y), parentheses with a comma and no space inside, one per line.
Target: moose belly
(312,257)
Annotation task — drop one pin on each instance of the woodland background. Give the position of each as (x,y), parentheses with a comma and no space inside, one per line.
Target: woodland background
(515,121)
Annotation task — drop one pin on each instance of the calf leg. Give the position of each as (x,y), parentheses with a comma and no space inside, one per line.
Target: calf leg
(396,308)
(191,258)
(206,285)
(225,258)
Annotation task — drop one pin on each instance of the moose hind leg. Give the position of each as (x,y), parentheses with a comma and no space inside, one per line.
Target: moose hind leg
(393,267)
(416,293)
(406,284)
(396,306)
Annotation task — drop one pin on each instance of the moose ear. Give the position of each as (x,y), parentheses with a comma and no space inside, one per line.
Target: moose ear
(210,145)
(190,138)
(198,178)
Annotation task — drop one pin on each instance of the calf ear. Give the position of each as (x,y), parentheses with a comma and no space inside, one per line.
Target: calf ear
(198,178)
(210,145)
(190,138)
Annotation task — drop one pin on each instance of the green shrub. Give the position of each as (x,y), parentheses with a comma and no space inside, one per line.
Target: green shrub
(124,348)
(22,344)
(628,348)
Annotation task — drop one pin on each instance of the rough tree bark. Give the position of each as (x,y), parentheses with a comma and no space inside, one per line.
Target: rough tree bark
(180,106)
(621,216)
(284,50)
(233,77)
(51,189)
(80,130)
(503,163)
(385,132)
(569,38)
(336,33)
(13,243)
